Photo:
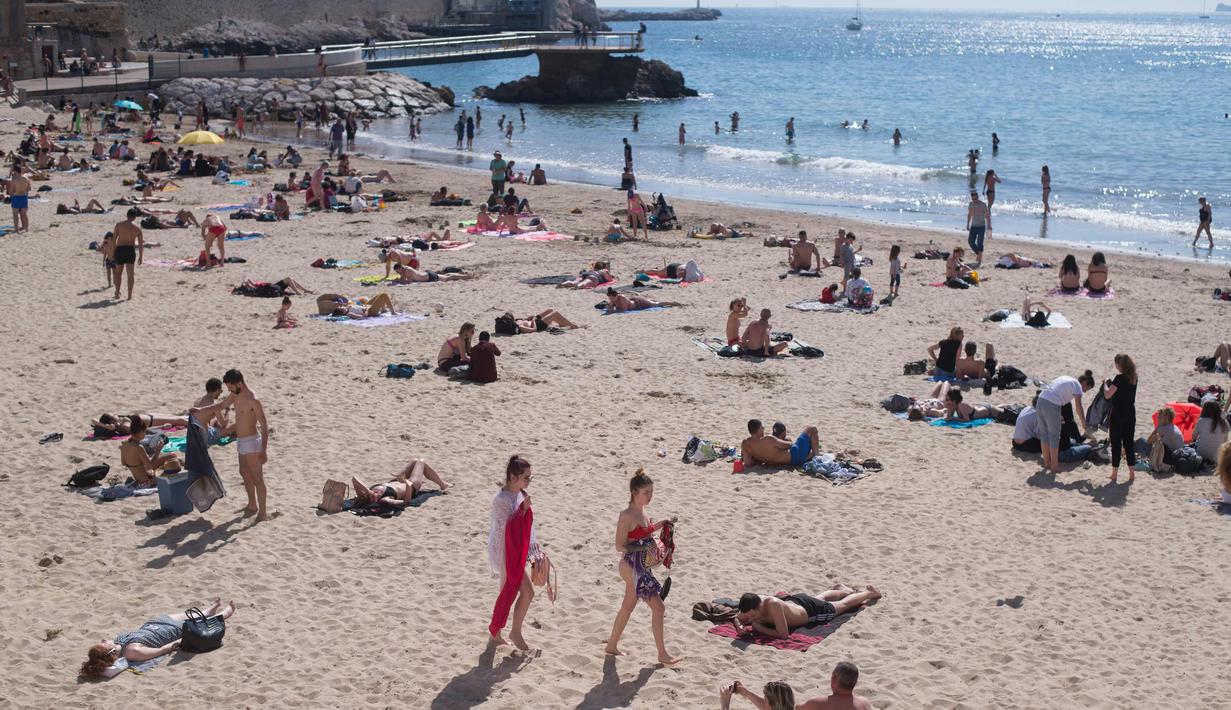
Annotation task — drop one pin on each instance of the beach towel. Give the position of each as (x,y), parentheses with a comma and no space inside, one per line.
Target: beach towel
(239,183)
(640,310)
(338,264)
(719,348)
(375,322)
(170,263)
(801,639)
(1218,506)
(179,444)
(238,236)
(1083,293)
(547,280)
(119,491)
(1055,320)
(376,279)
(814,305)
(956,424)
(450,246)
(223,208)
(379,509)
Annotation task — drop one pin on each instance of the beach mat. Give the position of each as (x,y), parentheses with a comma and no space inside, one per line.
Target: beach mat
(244,236)
(718,346)
(1083,293)
(801,639)
(813,305)
(1055,320)
(382,320)
(624,313)
(949,423)
(547,280)
(1219,507)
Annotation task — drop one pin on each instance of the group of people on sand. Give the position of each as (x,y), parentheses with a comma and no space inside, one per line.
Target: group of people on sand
(1098,278)
(757,339)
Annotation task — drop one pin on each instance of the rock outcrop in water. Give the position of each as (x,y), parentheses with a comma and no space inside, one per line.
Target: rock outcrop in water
(692,14)
(375,95)
(617,78)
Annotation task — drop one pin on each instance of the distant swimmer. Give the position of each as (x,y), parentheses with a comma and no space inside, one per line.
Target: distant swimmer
(683,133)
(697,37)
(972,160)
(846,124)
(717,128)
(1205,217)
(628,151)
(865,124)
(897,138)
(995,143)
(636,122)
(522,111)
(790,130)
(1046,180)
(735,121)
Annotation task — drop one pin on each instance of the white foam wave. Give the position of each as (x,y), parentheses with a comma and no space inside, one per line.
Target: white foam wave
(853,166)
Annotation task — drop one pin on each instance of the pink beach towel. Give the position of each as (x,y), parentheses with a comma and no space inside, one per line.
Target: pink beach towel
(1083,293)
(801,639)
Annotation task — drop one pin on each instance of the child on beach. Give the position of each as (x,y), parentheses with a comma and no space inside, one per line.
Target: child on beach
(738,310)
(895,270)
(286,321)
(108,251)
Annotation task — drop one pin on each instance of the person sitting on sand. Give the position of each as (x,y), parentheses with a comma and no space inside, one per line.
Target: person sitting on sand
(803,252)
(1210,431)
(456,349)
(722,231)
(399,492)
(957,273)
(1070,275)
(777,695)
(1220,359)
(542,321)
(759,448)
(484,220)
(64,162)
(1167,433)
(757,340)
(109,425)
(616,231)
(737,310)
(411,275)
(156,637)
(1035,313)
(971,368)
(91,207)
(358,310)
(859,293)
(285,321)
(143,467)
(483,356)
(1098,279)
(282,208)
(598,273)
(945,354)
(618,302)
(1223,469)
(537,176)
(439,196)
(507,221)
(777,617)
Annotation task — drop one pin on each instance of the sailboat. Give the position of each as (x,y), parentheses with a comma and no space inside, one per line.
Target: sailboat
(855,24)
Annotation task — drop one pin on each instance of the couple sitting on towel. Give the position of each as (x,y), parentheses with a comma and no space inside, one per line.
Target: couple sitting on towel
(777,449)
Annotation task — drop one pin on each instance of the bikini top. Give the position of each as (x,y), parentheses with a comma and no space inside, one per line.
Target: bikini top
(640,532)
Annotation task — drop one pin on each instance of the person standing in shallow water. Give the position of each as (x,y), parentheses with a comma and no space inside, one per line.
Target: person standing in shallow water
(636,122)
(897,137)
(790,130)
(1045,179)
(995,144)
(1205,217)
(683,133)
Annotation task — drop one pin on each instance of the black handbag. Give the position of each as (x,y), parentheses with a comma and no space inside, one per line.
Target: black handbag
(201,634)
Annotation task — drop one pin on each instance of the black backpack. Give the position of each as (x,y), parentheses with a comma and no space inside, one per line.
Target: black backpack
(89,477)
(506,325)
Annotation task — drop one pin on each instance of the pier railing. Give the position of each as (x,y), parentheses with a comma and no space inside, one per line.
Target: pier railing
(498,44)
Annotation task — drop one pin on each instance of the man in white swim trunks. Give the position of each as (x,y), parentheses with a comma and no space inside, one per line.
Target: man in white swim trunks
(251,444)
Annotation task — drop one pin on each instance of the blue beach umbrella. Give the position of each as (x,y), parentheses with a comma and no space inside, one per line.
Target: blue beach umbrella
(132,105)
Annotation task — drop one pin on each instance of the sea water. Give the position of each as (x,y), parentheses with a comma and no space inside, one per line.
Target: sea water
(1126,110)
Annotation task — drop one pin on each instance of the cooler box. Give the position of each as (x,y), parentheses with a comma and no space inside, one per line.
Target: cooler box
(173,492)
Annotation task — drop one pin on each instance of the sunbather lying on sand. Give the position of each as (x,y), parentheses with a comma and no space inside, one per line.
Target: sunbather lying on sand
(380,176)
(130,201)
(183,218)
(779,616)
(597,273)
(722,231)
(1017,261)
(958,410)
(287,286)
(774,451)
(542,321)
(91,207)
(409,275)
(109,425)
(156,637)
(371,308)
(1035,314)
(405,485)
(618,302)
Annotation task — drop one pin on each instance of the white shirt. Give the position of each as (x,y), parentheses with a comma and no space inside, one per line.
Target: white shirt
(1207,440)
(856,287)
(1027,426)
(1061,391)
(504,504)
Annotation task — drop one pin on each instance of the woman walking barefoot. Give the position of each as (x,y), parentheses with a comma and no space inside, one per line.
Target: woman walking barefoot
(510,544)
(635,538)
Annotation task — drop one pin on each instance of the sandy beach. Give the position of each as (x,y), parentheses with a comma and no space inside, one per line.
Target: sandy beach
(1004,587)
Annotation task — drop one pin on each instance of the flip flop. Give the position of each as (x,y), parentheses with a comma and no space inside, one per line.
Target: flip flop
(51,438)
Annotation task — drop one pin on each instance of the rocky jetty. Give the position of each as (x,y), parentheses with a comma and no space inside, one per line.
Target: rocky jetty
(618,78)
(230,36)
(376,95)
(692,14)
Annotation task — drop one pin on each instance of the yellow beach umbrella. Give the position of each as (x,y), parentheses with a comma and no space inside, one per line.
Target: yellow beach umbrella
(200,138)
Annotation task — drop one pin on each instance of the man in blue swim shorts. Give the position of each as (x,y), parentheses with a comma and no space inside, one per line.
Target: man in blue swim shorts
(775,451)
(19,199)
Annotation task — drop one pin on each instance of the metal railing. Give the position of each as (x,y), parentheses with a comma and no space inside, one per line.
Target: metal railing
(494,44)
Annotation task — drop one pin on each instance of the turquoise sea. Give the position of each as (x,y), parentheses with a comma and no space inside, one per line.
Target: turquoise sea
(1127,111)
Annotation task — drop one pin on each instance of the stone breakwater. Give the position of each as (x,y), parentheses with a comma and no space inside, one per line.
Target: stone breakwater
(379,95)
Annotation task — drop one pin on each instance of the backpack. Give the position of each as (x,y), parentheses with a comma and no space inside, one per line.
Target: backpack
(1009,377)
(150,223)
(1186,460)
(400,371)
(1209,364)
(506,325)
(1009,413)
(918,367)
(89,476)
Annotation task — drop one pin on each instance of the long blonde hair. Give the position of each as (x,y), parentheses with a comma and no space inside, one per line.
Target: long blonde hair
(779,695)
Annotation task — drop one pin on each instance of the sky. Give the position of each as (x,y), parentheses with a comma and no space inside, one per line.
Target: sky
(1072,6)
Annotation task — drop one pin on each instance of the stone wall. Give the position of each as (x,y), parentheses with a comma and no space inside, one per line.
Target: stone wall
(169,17)
(99,27)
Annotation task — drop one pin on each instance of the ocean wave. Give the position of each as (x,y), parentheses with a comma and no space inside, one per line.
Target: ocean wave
(832,164)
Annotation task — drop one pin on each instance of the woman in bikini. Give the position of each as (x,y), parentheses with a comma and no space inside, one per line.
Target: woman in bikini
(1097,278)
(957,410)
(636,214)
(138,461)
(635,540)
(1070,275)
(1046,181)
(507,222)
(511,543)
(989,187)
(598,273)
(618,302)
(213,230)
(550,318)
(399,492)
(109,425)
(456,350)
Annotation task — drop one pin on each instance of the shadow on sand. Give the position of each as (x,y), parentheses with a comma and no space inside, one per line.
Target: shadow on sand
(611,692)
(473,687)
(209,538)
(1108,495)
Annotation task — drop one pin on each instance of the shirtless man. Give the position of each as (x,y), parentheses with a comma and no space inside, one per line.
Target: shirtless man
(773,451)
(217,426)
(778,616)
(19,198)
(411,275)
(397,257)
(956,272)
(402,489)
(253,438)
(969,367)
(756,340)
(129,249)
(842,692)
(618,302)
(802,254)
(738,310)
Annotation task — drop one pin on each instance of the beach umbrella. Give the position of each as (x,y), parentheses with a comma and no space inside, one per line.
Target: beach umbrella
(126,104)
(201,138)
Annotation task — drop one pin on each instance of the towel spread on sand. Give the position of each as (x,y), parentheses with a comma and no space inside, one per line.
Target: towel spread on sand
(948,423)
(548,280)
(376,279)
(639,310)
(720,349)
(1083,293)
(539,236)
(815,305)
(374,322)
(238,236)
(1055,320)
(1218,506)
(801,639)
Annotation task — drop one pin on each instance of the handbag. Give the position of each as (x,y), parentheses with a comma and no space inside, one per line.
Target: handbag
(201,633)
(332,496)
(543,574)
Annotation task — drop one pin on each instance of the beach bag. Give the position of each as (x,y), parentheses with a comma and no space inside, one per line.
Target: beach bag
(89,476)
(1186,460)
(332,496)
(400,371)
(1197,395)
(1009,377)
(543,574)
(1209,364)
(326,303)
(1157,453)
(701,451)
(201,633)
(897,403)
(506,324)
(1009,413)
(918,367)
(1099,410)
